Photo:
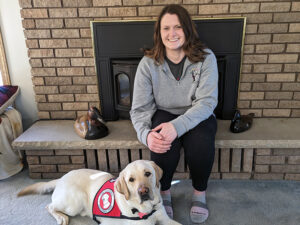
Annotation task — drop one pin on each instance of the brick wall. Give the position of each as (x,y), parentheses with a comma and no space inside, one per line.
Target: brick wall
(248,163)
(58,38)
(54,163)
(277,164)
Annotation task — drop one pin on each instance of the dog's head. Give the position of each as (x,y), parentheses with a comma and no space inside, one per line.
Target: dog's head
(139,181)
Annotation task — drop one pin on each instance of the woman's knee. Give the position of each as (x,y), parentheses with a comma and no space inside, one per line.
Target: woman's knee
(203,132)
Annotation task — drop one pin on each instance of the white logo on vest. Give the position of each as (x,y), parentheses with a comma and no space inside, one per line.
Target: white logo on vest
(106,201)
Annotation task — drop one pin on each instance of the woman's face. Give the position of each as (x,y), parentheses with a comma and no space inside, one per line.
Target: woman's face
(171,32)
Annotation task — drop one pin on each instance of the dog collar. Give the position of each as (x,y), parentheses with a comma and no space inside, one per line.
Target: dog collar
(142,215)
(105,205)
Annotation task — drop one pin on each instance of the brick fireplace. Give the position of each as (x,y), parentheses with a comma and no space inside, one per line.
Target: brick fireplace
(58,37)
(59,40)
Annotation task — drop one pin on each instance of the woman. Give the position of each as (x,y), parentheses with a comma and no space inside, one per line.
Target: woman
(175,94)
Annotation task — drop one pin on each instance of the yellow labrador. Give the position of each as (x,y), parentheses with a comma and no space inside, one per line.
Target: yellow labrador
(132,198)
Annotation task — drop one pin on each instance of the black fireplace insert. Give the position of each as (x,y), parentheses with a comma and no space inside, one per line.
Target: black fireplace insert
(117,47)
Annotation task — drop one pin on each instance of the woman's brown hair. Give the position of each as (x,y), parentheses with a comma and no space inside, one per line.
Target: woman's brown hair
(193,47)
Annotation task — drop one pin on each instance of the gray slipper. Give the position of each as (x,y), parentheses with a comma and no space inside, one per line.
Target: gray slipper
(201,215)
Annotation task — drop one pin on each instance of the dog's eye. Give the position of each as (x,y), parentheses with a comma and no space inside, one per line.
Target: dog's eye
(147,174)
(131,179)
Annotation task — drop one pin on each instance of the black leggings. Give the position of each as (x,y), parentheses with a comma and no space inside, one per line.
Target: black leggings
(199,149)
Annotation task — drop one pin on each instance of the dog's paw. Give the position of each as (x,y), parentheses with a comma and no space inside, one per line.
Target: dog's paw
(65,220)
(62,219)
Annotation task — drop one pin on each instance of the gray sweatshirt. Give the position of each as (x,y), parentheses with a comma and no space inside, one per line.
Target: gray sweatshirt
(194,97)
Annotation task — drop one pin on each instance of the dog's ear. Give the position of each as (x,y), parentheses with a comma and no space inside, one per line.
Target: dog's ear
(121,186)
(158,172)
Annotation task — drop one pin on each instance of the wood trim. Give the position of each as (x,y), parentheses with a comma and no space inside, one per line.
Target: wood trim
(3,64)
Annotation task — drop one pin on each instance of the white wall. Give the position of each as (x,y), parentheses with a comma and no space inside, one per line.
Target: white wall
(17,59)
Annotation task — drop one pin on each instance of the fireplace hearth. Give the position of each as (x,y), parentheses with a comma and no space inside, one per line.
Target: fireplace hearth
(117,47)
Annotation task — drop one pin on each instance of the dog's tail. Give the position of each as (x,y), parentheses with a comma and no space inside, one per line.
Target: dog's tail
(38,188)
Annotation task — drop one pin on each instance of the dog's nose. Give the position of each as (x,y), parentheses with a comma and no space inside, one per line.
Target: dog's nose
(144,192)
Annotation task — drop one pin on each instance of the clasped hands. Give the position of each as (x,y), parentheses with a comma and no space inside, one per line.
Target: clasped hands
(160,138)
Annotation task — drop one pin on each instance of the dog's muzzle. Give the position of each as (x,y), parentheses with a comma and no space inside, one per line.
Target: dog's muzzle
(144,192)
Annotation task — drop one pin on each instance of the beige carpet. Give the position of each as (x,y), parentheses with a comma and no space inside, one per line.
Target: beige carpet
(231,203)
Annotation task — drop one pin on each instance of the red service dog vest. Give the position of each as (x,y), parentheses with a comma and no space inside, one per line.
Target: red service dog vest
(104,202)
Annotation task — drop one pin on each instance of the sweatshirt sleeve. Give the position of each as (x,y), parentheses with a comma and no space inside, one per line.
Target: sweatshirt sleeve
(206,97)
(143,104)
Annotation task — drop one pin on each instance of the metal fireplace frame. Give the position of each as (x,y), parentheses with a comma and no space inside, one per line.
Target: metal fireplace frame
(123,40)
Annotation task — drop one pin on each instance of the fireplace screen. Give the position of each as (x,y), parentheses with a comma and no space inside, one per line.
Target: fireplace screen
(117,47)
(123,90)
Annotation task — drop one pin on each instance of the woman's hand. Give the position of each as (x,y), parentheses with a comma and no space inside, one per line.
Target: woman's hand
(157,143)
(167,130)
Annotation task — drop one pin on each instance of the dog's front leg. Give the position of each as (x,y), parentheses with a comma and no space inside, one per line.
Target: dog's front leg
(168,221)
(141,222)
(173,222)
(164,219)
